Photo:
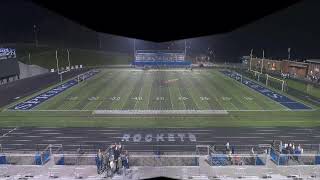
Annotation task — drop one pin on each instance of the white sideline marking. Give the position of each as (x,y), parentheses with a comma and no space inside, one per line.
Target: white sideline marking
(152,112)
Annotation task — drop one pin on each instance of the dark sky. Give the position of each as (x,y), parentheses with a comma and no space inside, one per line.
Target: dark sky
(297,27)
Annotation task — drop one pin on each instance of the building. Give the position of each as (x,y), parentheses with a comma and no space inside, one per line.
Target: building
(314,67)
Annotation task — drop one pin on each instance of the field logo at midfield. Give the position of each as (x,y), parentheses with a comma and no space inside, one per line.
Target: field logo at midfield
(161,137)
(34,101)
(283,100)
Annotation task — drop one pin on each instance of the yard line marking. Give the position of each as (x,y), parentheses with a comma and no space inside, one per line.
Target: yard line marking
(143,79)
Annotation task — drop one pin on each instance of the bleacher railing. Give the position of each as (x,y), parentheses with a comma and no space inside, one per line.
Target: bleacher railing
(309,158)
(31,158)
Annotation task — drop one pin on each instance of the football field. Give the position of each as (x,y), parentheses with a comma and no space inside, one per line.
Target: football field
(180,96)
(130,89)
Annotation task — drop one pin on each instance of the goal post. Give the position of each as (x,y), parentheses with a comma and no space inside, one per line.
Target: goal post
(275,82)
(268,80)
(80,78)
(60,72)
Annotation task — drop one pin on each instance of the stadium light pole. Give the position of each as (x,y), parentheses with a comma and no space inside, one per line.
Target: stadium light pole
(29,58)
(69,59)
(262,60)
(289,49)
(134,48)
(250,59)
(185,48)
(35,35)
(58,66)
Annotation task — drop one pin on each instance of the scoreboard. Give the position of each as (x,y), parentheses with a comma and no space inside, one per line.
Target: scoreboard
(7,53)
(9,65)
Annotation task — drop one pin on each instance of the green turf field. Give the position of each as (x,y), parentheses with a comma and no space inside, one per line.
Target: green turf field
(129,89)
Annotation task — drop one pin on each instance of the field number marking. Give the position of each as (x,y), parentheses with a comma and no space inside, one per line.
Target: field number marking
(181,98)
(160,98)
(226,98)
(114,98)
(137,98)
(204,98)
(93,98)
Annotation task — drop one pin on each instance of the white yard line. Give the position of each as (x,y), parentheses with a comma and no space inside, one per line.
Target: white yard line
(128,98)
(134,107)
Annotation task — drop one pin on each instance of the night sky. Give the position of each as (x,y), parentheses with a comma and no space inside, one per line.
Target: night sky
(297,27)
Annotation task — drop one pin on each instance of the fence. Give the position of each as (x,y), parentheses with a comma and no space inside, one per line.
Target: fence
(238,155)
(135,160)
(294,159)
(237,159)
(34,158)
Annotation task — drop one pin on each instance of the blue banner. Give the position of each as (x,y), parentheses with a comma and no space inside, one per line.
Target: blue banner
(35,101)
(283,100)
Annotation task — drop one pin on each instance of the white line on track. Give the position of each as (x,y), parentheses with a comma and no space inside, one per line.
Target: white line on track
(4,135)
(257,133)
(110,133)
(50,140)
(95,130)
(95,141)
(50,133)
(73,137)
(18,133)
(32,136)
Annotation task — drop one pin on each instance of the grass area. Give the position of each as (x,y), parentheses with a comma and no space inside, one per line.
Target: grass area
(304,87)
(114,89)
(206,89)
(44,56)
